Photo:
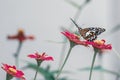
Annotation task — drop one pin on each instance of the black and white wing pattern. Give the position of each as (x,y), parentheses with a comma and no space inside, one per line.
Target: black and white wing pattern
(89,33)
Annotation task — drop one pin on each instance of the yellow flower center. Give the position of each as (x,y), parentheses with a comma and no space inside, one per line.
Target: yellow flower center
(12,70)
(77,36)
(20,31)
(99,42)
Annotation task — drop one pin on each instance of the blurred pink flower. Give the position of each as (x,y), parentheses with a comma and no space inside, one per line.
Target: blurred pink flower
(99,44)
(11,70)
(40,57)
(20,36)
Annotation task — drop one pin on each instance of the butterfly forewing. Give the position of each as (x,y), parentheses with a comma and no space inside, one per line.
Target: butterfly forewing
(90,33)
(97,30)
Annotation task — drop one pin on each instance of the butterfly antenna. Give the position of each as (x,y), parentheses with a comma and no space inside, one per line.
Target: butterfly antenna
(75,23)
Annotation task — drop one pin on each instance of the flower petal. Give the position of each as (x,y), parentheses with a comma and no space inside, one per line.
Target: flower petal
(74,38)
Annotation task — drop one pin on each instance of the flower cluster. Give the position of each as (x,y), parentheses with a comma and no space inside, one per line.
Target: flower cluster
(74,39)
(99,44)
(13,72)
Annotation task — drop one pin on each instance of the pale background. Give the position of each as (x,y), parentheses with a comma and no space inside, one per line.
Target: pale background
(43,19)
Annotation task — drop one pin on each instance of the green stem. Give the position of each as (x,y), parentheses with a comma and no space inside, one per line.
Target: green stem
(95,53)
(8,77)
(36,73)
(60,70)
(62,53)
(100,64)
(38,65)
(17,54)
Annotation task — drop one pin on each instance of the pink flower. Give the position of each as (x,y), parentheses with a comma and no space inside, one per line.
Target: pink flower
(40,57)
(74,38)
(20,36)
(13,71)
(100,44)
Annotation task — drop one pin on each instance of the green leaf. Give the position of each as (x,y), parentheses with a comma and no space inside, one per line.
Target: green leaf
(56,71)
(111,72)
(88,68)
(99,68)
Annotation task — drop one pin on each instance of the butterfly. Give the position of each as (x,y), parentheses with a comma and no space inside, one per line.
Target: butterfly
(90,33)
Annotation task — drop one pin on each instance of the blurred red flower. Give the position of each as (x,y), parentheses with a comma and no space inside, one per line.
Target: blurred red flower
(11,70)
(20,36)
(99,44)
(74,38)
(40,57)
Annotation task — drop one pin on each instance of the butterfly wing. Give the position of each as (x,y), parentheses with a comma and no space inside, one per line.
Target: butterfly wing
(96,30)
(92,33)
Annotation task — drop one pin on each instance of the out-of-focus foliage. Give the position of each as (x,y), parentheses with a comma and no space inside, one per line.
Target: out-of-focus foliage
(73,3)
(99,68)
(115,29)
(48,75)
